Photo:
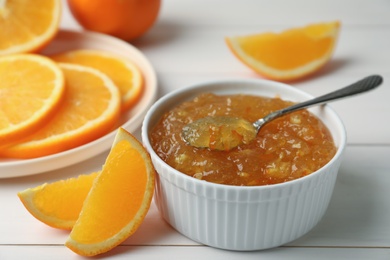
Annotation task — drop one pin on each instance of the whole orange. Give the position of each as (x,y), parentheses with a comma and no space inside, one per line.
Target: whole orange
(125,19)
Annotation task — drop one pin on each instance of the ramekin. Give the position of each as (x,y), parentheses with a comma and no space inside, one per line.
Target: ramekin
(236,217)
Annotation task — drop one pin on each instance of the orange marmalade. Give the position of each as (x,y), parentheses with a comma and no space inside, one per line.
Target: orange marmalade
(285,149)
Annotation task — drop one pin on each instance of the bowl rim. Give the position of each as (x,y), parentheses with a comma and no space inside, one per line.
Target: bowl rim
(197,86)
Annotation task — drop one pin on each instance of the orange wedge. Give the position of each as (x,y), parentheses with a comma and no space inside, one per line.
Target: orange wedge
(31,87)
(123,72)
(27,26)
(90,109)
(118,200)
(290,55)
(58,204)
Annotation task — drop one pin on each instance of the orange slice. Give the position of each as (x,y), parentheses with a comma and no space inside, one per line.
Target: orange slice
(58,204)
(90,109)
(27,26)
(31,87)
(123,72)
(289,55)
(118,200)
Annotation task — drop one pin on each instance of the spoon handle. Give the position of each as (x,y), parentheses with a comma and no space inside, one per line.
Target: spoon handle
(358,87)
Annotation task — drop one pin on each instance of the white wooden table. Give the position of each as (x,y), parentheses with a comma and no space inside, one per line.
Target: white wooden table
(186,46)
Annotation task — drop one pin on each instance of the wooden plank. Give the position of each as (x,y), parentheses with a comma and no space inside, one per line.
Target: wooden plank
(195,253)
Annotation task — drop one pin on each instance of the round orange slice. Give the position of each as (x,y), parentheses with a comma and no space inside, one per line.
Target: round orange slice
(123,72)
(289,55)
(90,109)
(58,204)
(118,200)
(27,26)
(31,87)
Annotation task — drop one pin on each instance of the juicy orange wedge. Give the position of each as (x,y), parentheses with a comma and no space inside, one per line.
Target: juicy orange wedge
(289,55)
(90,109)
(31,88)
(27,26)
(118,200)
(123,72)
(58,204)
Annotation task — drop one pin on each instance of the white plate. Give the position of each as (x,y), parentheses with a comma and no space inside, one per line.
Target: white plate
(131,121)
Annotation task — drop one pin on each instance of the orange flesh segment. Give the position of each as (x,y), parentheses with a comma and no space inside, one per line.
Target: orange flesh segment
(50,198)
(123,72)
(118,200)
(289,55)
(288,44)
(58,204)
(101,214)
(31,89)
(27,25)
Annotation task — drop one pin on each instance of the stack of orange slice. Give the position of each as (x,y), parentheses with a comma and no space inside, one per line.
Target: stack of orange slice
(89,108)
(46,107)
(65,107)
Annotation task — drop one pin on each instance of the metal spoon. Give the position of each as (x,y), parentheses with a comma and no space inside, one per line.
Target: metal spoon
(225,133)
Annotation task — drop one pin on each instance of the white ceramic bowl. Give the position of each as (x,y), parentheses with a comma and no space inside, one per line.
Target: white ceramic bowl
(237,217)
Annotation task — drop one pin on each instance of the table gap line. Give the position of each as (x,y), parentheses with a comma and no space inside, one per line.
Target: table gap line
(163,245)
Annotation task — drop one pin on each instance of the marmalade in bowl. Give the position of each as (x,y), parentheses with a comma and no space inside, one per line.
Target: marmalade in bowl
(285,149)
